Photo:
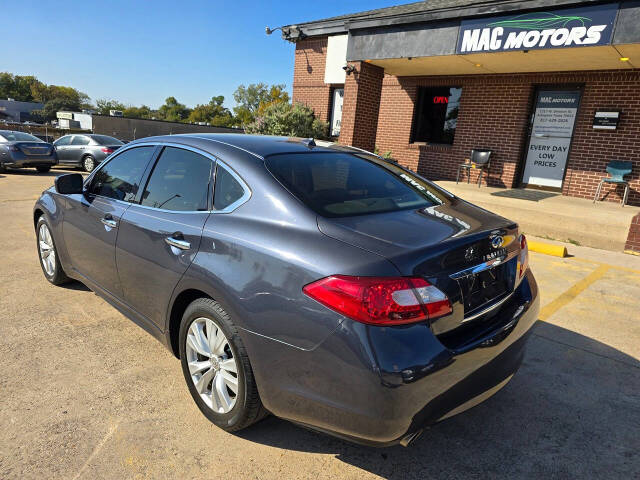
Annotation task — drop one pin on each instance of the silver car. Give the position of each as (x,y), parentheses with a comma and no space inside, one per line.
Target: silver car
(85,150)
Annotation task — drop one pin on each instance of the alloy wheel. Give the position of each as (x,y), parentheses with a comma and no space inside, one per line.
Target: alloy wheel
(212,365)
(47,250)
(89,164)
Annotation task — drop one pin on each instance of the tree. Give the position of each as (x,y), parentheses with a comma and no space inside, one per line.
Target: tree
(105,105)
(19,87)
(253,99)
(56,98)
(213,112)
(282,118)
(138,112)
(173,111)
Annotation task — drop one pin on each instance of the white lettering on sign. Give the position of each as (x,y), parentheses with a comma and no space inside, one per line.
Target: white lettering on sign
(492,39)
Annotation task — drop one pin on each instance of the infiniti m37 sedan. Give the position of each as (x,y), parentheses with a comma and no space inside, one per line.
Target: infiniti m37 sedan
(316,282)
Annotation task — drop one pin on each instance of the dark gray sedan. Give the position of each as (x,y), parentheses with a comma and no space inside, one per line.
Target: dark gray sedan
(22,150)
(321,284)
(85,150)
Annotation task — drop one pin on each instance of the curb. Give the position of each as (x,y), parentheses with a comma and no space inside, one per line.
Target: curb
(547,248)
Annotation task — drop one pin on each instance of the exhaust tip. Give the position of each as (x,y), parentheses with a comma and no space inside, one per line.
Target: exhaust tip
(408,439)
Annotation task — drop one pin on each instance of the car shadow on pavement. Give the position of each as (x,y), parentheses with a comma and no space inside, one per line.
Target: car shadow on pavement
(572,410)
(35,173)
(75,285)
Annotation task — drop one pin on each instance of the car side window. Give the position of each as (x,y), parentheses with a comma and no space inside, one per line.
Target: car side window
(120,177)
(63,141)
(228,190)
(180,181)
(80,140)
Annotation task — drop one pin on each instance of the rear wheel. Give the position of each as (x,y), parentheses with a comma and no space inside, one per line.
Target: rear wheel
(217,368)
(43,169)
(49,260)
(88,163)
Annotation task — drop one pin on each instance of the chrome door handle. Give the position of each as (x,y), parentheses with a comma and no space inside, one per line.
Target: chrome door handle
(109,222)
(175,242)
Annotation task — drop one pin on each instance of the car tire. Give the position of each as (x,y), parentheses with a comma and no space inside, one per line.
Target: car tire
(43,169)
(207,367)
(49,262)
(88,163)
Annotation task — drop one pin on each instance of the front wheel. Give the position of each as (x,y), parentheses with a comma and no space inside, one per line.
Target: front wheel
(217,368)
(49,260)
(88,163)
(43,169)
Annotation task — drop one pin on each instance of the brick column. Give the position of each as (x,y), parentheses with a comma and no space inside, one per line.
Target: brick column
(633,240)
(361,105)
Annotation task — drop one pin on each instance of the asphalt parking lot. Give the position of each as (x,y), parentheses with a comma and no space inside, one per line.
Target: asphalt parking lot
(85,393)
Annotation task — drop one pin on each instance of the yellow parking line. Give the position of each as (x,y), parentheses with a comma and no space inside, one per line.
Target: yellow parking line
(616,267)
(564,298)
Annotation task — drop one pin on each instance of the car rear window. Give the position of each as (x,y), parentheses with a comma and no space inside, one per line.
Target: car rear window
(10,136)
(345,184)
(106,140)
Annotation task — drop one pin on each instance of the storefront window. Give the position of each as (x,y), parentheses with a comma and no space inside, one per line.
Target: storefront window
(436,114)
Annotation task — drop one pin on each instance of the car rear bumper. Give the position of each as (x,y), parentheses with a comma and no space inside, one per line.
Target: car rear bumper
(378,386)
(26,161)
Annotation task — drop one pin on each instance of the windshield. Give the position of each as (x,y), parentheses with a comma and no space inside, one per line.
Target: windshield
(345,184)
(106,140)
(10,136)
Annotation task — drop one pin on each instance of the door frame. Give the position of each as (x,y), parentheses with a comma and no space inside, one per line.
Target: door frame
(579,87)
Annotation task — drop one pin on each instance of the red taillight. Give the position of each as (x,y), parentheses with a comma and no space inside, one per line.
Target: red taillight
(523,258)
(107,150)
(380,300)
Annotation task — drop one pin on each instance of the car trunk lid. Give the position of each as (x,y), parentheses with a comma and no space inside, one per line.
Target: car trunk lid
(34,148)
(466,251)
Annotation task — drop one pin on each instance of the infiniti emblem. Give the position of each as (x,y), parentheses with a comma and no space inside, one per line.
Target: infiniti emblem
(497,241)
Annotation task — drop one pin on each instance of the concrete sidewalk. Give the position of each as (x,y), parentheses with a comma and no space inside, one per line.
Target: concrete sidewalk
(549,215)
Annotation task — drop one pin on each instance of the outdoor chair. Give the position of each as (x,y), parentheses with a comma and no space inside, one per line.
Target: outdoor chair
(617,170)
(480,159)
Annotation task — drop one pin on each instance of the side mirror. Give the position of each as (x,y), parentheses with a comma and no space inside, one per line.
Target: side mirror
(69,183)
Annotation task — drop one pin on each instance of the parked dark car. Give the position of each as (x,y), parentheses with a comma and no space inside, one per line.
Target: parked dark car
(321,284)
(85,150)
(22,150)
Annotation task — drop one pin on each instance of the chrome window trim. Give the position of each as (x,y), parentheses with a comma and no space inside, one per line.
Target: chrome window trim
(245,197)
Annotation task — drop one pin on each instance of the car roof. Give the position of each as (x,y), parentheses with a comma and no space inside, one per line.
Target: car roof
(259,145)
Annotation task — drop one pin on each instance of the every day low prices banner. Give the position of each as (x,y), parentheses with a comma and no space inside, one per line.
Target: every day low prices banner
(586,26)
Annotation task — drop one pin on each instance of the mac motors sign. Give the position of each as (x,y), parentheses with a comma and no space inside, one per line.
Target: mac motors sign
(587,26)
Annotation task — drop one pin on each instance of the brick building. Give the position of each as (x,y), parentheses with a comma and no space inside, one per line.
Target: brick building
(552,88)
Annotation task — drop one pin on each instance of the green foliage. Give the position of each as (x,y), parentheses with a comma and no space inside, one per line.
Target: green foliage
(20,88)
(253,99)
(282,118)
(386,155)
(57,98)
(138,112)
(105,105)
(173,111)
(213,112)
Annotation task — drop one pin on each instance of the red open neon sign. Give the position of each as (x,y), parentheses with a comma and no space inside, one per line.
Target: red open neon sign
(440,99)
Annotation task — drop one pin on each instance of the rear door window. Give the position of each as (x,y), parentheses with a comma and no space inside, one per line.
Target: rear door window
(120,177)
(66,140)
(345,184)
(180,181)
(80,140)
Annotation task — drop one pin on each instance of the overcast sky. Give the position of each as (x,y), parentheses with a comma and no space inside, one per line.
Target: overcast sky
(140,52)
